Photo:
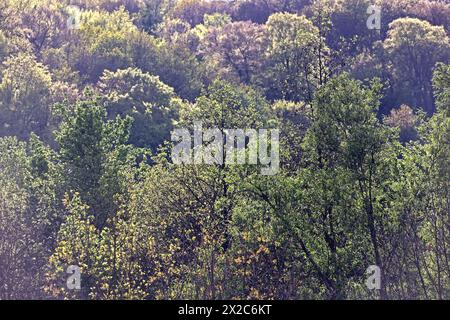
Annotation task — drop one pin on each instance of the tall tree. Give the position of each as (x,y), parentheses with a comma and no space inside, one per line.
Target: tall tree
(414,47)
(25,90)
(92,150)
(152,105)
(294,69)
(239,46)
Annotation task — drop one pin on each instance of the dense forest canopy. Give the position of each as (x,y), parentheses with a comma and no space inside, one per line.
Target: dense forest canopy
(91,92)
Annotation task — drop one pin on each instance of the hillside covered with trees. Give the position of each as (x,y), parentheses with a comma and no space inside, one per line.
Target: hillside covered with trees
(91,91)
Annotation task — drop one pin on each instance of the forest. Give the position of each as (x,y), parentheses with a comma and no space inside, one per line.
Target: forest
(92,205)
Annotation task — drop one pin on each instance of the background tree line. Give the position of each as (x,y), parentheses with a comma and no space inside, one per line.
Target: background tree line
(86,113)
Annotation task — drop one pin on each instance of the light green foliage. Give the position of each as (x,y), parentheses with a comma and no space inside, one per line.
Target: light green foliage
(293,119)
(102,42)
(238,47)
(293,45)
(153,13)
(77,245)
(346,169)
(150,103)
(28,209)
(87,178)
(414,47)
(92,151)
(227,106)
(15,230)
(216,20)
(169,58)
(179,68)
(24,97)
(441,85)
